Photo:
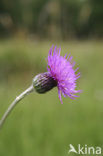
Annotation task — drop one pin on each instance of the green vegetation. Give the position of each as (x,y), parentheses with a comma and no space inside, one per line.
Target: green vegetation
(52,18)
(40,125)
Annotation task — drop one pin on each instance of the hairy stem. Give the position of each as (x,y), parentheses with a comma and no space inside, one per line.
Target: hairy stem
(13,104)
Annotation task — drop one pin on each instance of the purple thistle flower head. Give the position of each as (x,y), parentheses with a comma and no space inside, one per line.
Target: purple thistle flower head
(61,70)
(60,73)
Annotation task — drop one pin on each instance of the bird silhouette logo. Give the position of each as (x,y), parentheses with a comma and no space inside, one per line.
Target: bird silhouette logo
(72,149)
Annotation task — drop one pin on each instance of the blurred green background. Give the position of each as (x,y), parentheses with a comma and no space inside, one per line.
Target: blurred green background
(40,125)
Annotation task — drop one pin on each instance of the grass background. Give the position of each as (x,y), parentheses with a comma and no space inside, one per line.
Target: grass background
(40,125)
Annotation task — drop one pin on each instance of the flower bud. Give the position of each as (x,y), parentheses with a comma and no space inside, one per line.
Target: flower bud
(43,82)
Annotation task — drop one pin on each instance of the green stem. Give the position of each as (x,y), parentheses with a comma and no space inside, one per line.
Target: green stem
(13,104)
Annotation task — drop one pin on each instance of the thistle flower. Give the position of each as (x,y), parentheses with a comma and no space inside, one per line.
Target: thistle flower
(60,73)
